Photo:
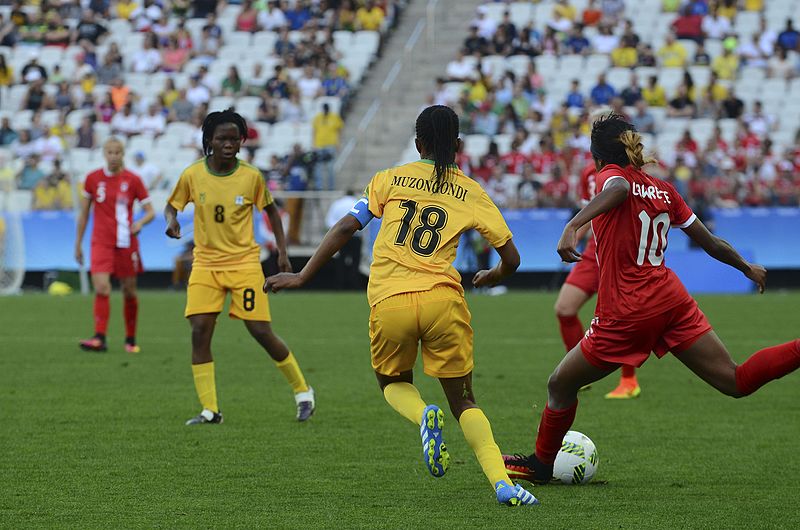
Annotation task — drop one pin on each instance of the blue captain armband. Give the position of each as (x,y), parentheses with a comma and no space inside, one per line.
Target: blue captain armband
(360,211)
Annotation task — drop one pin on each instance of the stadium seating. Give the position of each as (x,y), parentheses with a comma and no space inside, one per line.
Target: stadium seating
(557,68)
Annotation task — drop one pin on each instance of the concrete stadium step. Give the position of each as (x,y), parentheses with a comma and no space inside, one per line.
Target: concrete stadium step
(415,55)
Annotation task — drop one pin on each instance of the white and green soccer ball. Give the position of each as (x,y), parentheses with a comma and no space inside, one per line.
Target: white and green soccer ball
(577,461)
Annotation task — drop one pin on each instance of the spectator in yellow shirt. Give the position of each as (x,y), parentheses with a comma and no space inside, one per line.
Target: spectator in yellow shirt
(725,65)
(654,94)
(327,128)
(125,8)
(6,72)
(54,192)
(672,53)
(369,17)
(753,5)
(625,57)
(567,11)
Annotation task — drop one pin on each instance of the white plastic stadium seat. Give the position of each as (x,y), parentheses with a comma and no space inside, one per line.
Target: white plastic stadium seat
(476,145)
(264,42)
(220,103)
(367,41)
(521,13)
(248,107)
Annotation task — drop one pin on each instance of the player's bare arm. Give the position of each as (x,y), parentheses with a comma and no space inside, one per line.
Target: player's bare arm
(508,265)
(614,193)
(149,215)
(721,250)
(284,265)
(83,218)
(332,243)
(173,226)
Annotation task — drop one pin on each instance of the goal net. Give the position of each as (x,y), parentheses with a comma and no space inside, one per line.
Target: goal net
(12,241)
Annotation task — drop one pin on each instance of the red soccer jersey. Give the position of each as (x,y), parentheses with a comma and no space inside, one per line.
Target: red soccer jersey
(631,243)
(514,161)
(587,185)
(113,197)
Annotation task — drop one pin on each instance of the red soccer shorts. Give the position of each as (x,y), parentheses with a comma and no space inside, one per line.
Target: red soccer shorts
(585,275)
(610,343)
(119,262)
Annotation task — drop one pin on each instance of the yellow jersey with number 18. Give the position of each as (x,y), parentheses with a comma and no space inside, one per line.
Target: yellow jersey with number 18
(422,222)
(224,236)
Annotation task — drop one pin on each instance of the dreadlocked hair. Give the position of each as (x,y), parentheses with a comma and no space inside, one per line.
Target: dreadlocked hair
(615,141)
(437,131)
(215,119)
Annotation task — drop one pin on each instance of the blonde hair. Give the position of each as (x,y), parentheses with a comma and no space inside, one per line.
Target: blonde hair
(114,140)
(632,141)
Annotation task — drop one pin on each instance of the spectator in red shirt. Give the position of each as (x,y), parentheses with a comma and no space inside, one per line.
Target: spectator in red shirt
(688,26)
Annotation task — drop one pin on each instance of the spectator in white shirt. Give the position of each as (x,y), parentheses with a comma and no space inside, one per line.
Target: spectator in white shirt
(148,59)
(197,94)
(272,18)
(462,68)
(125,123)
(149,173)
(153,123)
(49,147)
(715,26)
(761,124)
(749,53)
(309,85)
(766,38)
(559,23)
(605,41)
(486,25)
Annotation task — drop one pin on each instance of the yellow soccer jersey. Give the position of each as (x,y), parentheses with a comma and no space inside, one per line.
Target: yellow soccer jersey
(223,214)
(421,227)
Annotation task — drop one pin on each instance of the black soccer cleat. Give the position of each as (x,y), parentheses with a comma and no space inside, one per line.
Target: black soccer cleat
(206,416)
(96,343)
(306,404)
(528,467)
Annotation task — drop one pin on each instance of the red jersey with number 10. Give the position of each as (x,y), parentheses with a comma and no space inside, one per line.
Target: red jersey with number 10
(113,197)
(635,284)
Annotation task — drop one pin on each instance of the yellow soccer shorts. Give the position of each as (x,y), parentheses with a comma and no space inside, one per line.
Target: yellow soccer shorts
(207,291)
(438,319)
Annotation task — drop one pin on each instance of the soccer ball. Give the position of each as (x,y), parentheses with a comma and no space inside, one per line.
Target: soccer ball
(576,462)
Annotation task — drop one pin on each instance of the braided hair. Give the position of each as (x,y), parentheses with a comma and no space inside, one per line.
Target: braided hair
(437,132)
(615,141)
(215,119)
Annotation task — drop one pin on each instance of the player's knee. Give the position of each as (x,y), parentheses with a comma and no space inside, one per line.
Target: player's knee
(103,289)
(557,388)
(564,309)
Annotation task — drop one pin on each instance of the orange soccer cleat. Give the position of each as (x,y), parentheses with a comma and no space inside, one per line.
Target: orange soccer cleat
(628,388)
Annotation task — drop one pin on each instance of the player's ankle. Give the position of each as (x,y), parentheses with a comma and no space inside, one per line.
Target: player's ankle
(130,340)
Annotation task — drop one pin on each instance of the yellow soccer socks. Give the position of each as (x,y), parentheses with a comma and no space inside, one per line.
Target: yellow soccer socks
(478,434)
(405,399)
(291,371)
(205,385)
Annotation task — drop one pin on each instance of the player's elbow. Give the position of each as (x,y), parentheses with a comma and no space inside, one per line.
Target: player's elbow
(510,256)
(347,226)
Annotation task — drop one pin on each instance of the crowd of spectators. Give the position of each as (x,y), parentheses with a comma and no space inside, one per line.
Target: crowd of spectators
(549,138)
(100,78)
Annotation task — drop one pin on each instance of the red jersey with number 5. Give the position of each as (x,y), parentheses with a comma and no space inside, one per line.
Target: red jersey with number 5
(635,284)
(113,197)
(587,185)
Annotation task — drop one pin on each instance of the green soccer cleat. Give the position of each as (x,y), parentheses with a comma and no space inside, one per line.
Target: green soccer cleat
(434,450)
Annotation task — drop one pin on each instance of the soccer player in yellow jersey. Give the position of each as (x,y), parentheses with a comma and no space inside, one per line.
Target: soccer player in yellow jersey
(224,191)
(416,294)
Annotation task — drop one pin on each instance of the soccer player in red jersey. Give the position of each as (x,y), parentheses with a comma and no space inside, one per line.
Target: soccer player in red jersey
(579,287)
(642,306)
(115,250)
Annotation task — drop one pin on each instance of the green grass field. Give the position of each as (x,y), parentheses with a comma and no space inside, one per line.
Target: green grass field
(98,441)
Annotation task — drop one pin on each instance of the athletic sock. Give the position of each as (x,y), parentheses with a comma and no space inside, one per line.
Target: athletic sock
(478,434)
(131,310)
(102,307)
(405,399)
(767,364)
(628,371)
(552,428)
(205,385)
(571,330)
(291,371)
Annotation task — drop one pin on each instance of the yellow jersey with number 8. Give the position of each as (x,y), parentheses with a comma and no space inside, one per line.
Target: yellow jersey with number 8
(422,222)
(223,214)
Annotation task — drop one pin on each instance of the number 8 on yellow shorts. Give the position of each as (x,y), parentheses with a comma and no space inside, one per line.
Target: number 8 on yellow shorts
(438,318)
(207,290)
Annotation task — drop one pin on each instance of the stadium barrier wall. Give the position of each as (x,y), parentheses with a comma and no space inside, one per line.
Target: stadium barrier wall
(765,235)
